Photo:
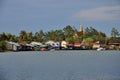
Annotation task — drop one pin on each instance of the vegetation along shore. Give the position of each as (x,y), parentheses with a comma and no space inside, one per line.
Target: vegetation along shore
(68,38)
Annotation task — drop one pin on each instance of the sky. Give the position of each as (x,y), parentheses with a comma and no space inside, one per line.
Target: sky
(47,15)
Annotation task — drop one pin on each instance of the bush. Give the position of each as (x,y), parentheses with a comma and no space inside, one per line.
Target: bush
(2,46)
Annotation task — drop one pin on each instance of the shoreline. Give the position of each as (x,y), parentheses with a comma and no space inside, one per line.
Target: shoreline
(55,50)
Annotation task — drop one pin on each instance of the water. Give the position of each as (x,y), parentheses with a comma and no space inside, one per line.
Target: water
(60,65)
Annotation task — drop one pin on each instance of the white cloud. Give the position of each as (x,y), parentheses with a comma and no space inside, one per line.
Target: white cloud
(108,13)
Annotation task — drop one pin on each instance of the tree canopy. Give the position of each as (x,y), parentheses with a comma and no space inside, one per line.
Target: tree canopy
(114,32)
(68,33)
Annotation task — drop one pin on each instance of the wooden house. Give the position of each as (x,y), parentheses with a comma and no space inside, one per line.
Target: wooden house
(12,46)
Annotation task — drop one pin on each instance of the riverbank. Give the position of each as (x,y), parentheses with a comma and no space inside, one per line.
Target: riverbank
(52,45)
(62,50)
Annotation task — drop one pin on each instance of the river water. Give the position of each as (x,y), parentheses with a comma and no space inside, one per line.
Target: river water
(60,65)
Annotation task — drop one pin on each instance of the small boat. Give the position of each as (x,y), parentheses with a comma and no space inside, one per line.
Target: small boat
(100,49)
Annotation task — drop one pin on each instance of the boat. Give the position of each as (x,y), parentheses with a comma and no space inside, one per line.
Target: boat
(100,49)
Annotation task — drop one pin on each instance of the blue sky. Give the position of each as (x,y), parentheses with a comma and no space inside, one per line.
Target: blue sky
(34,15)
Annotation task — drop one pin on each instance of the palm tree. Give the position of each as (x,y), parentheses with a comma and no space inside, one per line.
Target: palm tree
(29,37)
(114,32)
(23,35)
(3,36)
(39,36)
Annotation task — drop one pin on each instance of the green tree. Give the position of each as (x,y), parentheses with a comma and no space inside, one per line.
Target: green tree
(59,35)
(95,35)
(56,35)
(23,35)
(114,32)
(39,36)
(68,32)
(89,32)
(29,37)
(9,36)
(100,37)
(114,40)
(80,38)
(36,36)
(2,46)
(3,37)
(89,40)
(51,35)
(14,38)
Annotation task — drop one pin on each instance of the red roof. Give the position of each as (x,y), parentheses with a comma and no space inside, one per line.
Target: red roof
(113,43)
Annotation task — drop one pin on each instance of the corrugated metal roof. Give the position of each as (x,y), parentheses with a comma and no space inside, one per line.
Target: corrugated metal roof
(13,43)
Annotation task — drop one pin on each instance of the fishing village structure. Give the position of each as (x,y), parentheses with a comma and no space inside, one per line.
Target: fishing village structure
(68,39)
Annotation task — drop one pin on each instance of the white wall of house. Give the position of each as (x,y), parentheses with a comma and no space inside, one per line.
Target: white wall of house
(64,44)
(53,43)
(12,46)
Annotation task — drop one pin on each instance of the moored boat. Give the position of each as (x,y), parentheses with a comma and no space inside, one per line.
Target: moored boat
(100,49)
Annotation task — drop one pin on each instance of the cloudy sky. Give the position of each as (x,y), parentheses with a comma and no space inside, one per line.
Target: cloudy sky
(34,15)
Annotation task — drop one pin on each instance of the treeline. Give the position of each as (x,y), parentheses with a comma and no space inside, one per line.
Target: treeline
(68,33)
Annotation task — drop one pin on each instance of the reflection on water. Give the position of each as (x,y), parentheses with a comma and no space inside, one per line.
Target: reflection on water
(60,65)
